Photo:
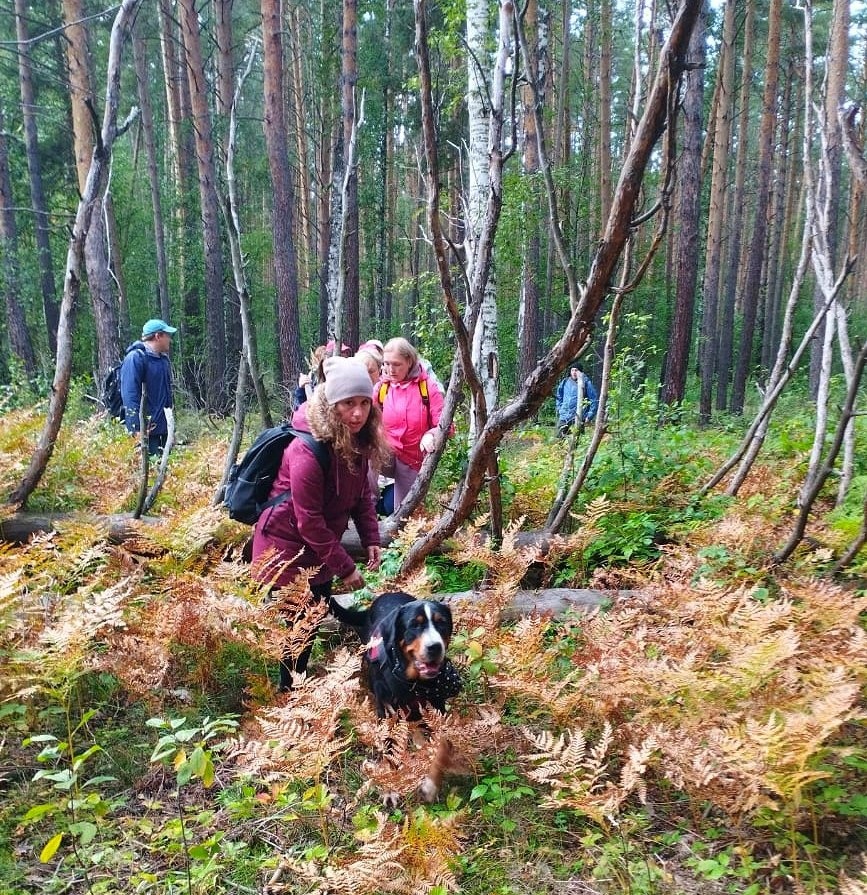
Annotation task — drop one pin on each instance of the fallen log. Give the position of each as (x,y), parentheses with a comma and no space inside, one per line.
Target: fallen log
(20,527)
(552,601)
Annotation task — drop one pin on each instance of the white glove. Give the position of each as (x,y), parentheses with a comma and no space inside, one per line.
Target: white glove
(429,440)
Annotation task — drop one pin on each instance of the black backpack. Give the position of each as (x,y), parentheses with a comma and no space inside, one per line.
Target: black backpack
(112,399)
(249,483)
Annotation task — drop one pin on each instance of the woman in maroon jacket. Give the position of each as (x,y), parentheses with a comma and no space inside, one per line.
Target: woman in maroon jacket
(304,531)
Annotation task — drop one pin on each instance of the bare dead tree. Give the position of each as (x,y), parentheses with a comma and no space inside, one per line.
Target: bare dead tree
(814,488)
(587,297)
(249,360)
(464,325)
(91,197)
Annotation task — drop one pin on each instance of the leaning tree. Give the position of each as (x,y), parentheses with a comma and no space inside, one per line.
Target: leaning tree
(586,297)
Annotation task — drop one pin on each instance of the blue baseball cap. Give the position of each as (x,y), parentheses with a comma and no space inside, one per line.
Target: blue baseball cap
(156,326)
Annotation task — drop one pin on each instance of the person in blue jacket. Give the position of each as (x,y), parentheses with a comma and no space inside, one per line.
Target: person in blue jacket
(147,362)
(567,400)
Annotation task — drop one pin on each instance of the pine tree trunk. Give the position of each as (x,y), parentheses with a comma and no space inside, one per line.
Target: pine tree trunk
(216,394)
(50,308)
(714,246)
(102,294)
(10,277)
(689,216)
(283,210)
(755,263)
(535,21)
(732,269)
(148,137)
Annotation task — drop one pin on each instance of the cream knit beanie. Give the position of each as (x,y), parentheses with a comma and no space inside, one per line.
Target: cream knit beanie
(345,378)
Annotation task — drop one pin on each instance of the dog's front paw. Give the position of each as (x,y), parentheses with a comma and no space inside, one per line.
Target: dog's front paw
(428,790)
(390,800)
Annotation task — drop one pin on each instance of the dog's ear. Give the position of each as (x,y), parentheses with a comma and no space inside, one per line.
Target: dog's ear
(445,613)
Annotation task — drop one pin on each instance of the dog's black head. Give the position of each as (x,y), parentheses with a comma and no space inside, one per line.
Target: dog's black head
(421,631)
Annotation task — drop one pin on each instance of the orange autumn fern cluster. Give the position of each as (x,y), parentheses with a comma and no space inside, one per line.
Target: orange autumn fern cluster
(738,698)
(401,753)
(391,859)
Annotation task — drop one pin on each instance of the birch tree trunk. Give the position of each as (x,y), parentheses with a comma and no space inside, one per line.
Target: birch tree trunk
(485,347)
(93,191)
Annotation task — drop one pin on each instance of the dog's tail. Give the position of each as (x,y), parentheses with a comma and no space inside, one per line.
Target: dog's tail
(356,618)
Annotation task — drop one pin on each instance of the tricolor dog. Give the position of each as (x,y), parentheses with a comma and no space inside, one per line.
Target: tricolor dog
(405,657)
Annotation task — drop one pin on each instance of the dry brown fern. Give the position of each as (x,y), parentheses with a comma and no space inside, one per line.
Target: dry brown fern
(302,737)
(408,859)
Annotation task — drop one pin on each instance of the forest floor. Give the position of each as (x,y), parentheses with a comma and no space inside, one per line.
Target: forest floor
(701,731)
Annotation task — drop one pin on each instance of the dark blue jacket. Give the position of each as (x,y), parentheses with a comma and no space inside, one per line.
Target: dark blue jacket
(567,400)
(155,370)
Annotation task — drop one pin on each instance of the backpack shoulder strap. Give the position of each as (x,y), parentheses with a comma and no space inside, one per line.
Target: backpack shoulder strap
(425,394)
(319,449)
(383,391)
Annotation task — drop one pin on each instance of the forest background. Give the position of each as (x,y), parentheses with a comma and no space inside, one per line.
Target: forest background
(678,196)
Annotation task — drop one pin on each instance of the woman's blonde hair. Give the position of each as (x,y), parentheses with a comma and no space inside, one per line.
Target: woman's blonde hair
(404,348)
(325,424)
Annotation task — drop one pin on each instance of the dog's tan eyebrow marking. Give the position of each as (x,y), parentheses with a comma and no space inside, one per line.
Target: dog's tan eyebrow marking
(419,618)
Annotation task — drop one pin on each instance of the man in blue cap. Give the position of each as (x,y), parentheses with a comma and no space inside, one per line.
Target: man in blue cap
(147,364)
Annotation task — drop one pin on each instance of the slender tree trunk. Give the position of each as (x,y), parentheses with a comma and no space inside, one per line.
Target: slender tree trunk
(94,188)
(714,246)
(689,216)
(835,97)
(283,213)
(350,227)
(762,189)
(304,223)
(485,348)
(225,67)
(10,277)
(536,23)
(147,123)
(50,307)
(187,232)
(103,296)
(732,269)
(605,47)
(779,223)
(537,387)
(215,395)
(249,351)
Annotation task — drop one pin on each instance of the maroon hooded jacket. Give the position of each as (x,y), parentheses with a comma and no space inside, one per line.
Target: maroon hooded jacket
(307,527)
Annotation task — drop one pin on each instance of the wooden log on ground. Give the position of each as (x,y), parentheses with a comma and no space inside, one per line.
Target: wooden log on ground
(20,527)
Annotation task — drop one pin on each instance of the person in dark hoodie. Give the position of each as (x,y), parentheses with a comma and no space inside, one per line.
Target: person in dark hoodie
(147,364)
(304,531)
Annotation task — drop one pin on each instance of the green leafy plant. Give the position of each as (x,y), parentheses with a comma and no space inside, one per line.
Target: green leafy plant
(77,805)
(187,750)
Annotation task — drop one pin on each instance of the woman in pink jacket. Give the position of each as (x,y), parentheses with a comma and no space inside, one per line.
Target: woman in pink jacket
(304,531)
(411,407)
